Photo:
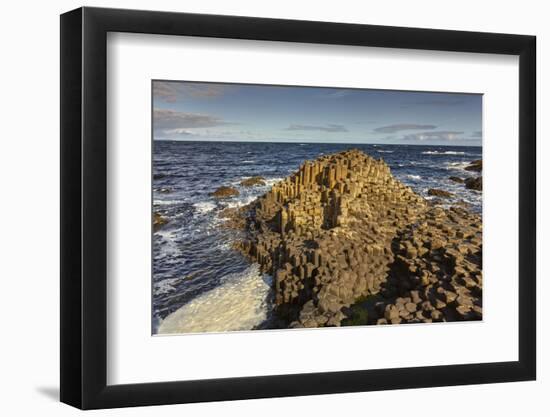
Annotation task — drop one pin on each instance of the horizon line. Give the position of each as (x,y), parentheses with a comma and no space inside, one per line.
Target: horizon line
(306,142)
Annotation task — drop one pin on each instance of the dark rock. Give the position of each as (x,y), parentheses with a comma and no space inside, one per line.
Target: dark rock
(225,192)
(474,183)
(235,217)
(252,181)
(462,204)
(439,193)
(456,179)
(475,166)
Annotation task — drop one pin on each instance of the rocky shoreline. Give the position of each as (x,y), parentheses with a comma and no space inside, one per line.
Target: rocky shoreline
(347,243)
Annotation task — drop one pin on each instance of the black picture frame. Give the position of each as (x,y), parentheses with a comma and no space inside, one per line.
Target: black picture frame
(84,207)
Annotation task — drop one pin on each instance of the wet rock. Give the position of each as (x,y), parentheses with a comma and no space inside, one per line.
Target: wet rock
(225,192)
(474,183)
(456,179)
(475,166)
(462,204)
(234,217)
(439,193)
(253,181)
(159,221)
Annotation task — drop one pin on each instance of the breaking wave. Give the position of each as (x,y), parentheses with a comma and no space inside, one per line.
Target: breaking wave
(443,153)
(241,302)
(166,202)
(204,207)
(457,165)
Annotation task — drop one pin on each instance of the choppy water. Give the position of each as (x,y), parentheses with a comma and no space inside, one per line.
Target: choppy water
(199,282)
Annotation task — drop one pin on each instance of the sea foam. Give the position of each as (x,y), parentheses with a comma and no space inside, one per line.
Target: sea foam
(204,207)
(443,153)
(240,303)
(165,286)
(457,165)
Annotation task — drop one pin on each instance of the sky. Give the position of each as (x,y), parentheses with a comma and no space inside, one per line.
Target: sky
(196,111)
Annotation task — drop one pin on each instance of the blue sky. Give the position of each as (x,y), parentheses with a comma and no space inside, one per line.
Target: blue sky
(243,112)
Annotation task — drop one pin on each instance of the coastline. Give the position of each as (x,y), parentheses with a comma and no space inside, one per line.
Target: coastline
(213,208)
(349,244)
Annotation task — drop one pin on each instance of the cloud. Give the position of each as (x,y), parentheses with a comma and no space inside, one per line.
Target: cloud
(477,134)
(443,135)
(176,132)
(172,119)
(402,126)
(327,128)
(176,124)
(173,91)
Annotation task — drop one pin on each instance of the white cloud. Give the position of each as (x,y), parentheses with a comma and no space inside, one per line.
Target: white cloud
(173,91)
(172,124)
(326,128)
(172,119)
(403,126)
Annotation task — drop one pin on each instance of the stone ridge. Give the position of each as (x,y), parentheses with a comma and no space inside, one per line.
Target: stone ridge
(343,229)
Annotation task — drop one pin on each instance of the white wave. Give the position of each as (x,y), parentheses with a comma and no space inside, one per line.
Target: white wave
(204,207)
(165,286)
(457,165)
(168,245)
(381,151)
(443,153)
(272,181)
(242,201)
(166,202)
(240,303)
(249,161)
(414,177)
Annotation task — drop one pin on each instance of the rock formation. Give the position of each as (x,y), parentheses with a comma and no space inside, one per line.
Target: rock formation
(439,193)
(456,179)
(252,181)
(342,232)
(474,183)
(475,166)
(471,183)
(225,192)
(159,221)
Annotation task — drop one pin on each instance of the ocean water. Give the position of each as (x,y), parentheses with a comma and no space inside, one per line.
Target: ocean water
(199,283)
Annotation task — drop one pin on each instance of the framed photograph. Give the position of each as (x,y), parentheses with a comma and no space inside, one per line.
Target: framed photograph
(257,208)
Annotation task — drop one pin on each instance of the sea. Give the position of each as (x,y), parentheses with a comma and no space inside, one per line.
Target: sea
(199,283)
